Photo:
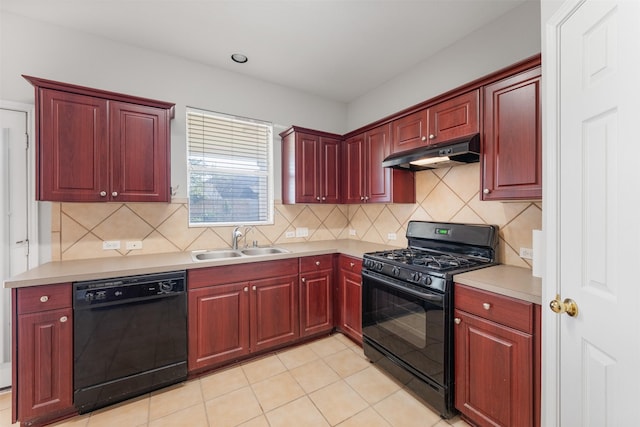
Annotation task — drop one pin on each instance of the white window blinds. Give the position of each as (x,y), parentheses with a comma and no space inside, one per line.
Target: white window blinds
(230,169)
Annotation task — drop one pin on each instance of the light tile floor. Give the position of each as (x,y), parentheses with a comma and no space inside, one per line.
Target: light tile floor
(327,382)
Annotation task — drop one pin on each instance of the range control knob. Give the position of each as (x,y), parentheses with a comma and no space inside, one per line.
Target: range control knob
(395,271)
(427,280)
(379,266)
(416,276)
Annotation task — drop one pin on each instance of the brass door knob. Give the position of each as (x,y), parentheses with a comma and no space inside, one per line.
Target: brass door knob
(568,306)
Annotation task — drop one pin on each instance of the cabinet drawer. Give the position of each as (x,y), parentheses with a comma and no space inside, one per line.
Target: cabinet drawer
(350,264)
(209,276)
(43,298)
(507,311)
(316,263)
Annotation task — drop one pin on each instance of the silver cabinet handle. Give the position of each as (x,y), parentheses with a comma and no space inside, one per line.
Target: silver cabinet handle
(486,305)
(457,320)
(44,298)
(486,191)
(432,136)
(114,194)
(324,198)
(246,289)
(317,262)
(318,198)
(103,193)
(254,287)
(366,198)
(64,319)
(424,138)
(361,197)
(303,280)
(352,264)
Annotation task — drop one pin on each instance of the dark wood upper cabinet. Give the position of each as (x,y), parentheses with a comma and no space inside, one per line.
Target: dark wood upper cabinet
(310,166)
(512,161)
(95,146)
(440,122)
(364,179)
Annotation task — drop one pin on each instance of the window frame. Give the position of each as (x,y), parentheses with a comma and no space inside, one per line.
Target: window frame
(269,156)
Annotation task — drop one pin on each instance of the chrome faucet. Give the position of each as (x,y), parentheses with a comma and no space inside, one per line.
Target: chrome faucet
(235,236)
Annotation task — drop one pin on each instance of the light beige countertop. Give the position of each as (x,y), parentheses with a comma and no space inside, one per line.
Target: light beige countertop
(103,268)
(515,282)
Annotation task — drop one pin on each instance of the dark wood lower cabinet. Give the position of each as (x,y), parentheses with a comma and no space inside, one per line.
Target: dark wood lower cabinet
(274,312)
(497,359)
(350,297)
(43,369)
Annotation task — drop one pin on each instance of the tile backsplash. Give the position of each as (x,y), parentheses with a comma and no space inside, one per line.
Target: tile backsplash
(78,229)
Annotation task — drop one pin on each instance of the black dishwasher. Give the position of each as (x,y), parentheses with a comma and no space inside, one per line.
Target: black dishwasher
(130,337)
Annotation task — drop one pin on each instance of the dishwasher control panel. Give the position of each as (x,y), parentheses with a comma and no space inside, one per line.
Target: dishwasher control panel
(131,288)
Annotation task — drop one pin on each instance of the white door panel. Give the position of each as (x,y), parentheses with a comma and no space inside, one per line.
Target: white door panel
(592,218)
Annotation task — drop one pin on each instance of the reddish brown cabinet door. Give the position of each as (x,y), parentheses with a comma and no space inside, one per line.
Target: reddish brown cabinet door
(512,160)
(410,131)
(310,166)
(364,178)
(493,372)
(72,148)
(454,118)
(274,312)
(45,367)
(98,146)
(316,297)
(218,324)
(139,142)
(350,297)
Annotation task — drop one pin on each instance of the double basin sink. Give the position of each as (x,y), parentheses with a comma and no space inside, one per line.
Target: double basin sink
(234,253)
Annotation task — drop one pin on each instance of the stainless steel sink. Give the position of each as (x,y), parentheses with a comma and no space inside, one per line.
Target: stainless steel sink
(215,254)
(263,251)
(232,253)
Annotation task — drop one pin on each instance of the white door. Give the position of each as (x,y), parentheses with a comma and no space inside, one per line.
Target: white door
(591,362)
(14,209)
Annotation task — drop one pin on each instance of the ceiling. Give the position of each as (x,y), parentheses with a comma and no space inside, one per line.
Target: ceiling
(336,49)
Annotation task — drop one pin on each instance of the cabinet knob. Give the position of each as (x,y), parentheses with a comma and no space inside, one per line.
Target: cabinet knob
(317,262)
(318,198)
(366,198)
(361,197)
(457,320)
(253,287)
(64,319)
(246,289)
(352,264)
(424,138)
(432,136)
(44,298)
(114,194)
(303,280)
(324,198)
(486,305)
(103,193)
(486,191)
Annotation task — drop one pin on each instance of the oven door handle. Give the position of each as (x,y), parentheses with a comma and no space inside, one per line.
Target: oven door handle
(428,296)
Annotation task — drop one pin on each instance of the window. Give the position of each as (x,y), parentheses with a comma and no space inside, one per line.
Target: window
(230,169)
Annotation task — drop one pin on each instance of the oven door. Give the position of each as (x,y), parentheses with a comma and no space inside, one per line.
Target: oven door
(409,324)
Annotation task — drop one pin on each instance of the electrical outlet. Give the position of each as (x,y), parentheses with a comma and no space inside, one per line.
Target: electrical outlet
(352,232)
(302,232)
(111,244)
(290,234)
(136,244)
(392,236)
(526,253)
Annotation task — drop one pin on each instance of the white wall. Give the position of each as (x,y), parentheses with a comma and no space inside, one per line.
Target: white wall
(508,39)
(43,50)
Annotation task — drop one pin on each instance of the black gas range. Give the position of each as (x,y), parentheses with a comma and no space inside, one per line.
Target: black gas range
(407,303)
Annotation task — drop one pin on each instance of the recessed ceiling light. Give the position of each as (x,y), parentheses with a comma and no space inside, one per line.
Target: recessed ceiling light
(239,58)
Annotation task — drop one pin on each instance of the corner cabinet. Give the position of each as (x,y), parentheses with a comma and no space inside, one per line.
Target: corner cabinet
(236,311)
(512,160)
(43,372)
(94,146)
(443,121)
(497,358)
(310,166)
(350,297)
(363,177)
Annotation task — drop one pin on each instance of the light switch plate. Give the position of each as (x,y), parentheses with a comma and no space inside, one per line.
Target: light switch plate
(302,232)
(136,244)
(290,234)
(526,253)
(111,244)
(352,232)
(392,236)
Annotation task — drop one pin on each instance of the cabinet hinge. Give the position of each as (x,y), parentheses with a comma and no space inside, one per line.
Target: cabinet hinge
(26,140)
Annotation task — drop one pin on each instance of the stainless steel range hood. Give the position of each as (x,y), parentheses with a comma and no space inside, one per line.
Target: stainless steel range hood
(446,154)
